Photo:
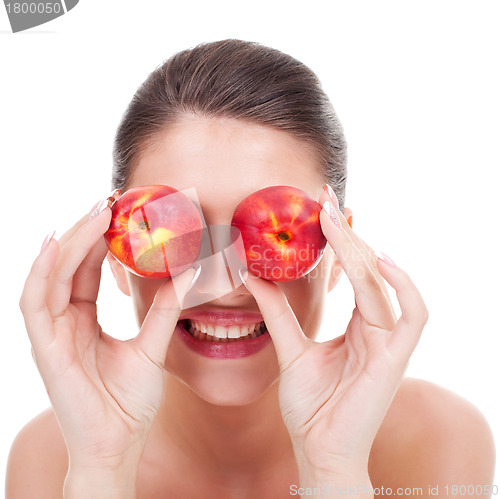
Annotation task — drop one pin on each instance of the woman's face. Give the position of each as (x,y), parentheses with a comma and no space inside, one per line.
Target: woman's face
(225,160)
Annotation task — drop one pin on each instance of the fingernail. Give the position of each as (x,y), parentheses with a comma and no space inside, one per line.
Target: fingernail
(243,273)
(386,259)
(101,206)
(114,196)
(196,266)
(105,203)
(328,207)
(46,241)
(332,194)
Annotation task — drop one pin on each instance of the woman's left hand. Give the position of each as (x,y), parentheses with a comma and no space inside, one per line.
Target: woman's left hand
(334,395)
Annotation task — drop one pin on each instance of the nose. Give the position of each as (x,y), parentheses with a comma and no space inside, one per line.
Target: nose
(221,257)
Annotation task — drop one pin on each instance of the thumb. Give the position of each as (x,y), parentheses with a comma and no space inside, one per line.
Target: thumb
(288,339)
(158,326)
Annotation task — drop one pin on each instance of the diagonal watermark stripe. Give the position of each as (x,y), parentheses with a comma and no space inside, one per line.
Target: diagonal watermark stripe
(70,4)
(24,15)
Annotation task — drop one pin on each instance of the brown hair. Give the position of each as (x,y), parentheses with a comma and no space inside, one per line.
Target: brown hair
(233,79)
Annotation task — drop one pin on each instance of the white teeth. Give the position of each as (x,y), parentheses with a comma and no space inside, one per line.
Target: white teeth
(234,332)
(220,332)
(213,332)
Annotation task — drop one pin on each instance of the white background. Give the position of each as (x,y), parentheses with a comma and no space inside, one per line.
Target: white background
(416,86)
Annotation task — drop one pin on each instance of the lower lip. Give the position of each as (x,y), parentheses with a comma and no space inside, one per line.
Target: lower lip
(219,350)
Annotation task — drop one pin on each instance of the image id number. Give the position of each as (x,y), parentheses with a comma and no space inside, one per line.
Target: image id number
(33,8)
(471,490)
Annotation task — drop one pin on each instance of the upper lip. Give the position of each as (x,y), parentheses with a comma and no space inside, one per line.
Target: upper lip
(223,317)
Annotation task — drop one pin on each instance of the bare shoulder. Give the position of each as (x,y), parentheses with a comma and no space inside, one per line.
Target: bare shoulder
(38,460)
(432,436)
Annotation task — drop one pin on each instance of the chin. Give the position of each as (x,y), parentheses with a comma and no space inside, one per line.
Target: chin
(224,384)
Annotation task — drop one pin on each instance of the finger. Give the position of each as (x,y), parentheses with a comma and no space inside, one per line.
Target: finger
(159,324)
(366,250)
(329,195)
(372,302)
(87,278)
(414,314)
(372,258)
(286,333)
(32,303)
(92,213)
(72,255)
(73,230)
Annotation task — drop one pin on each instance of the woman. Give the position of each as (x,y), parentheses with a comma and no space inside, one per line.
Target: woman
(151,417)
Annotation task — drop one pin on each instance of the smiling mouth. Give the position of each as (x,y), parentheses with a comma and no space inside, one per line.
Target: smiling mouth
(206,331)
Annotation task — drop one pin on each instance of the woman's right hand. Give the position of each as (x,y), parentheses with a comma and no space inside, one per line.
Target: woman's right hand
(105,392)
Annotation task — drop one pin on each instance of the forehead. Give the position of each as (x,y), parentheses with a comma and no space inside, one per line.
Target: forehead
(227,159)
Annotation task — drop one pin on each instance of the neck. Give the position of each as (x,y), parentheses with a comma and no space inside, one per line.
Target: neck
(231,438)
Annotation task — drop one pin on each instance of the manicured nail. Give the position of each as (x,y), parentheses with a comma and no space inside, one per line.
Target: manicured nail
(328,207)
(101,206)
(243,272)
(46,241)
(114,196)
(332,194)
(105,203)
(196,266)
(386,259)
